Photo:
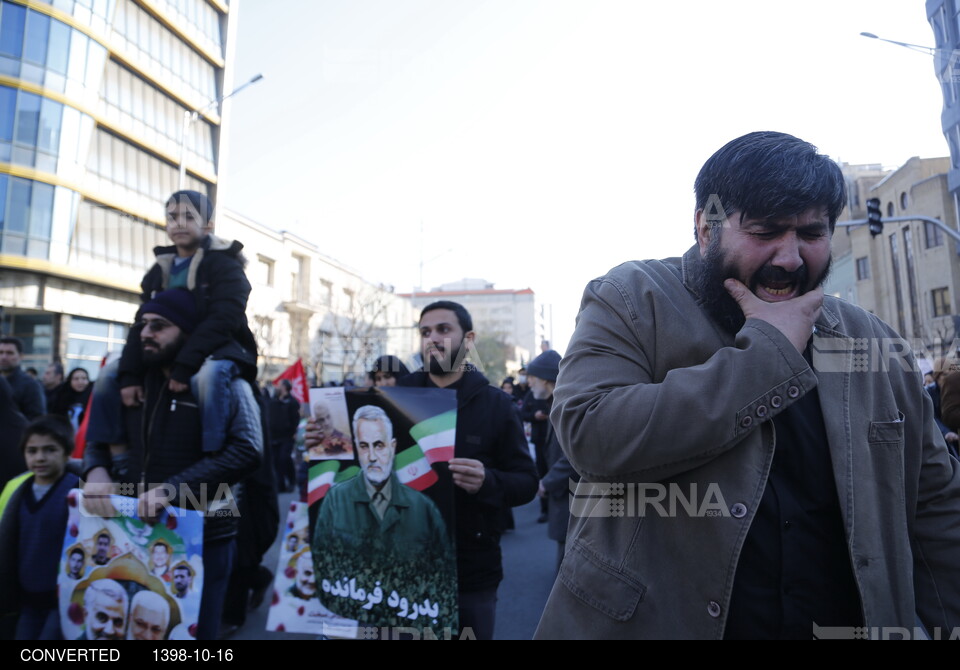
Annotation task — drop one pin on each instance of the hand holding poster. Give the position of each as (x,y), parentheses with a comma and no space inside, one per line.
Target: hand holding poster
(121,578)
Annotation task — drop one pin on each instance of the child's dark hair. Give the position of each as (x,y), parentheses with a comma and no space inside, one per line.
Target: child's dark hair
(50,425)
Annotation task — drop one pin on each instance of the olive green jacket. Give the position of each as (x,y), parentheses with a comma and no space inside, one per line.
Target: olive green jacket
(653,395)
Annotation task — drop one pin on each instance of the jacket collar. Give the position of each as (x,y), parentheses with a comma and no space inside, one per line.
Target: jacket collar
(472,383)
(690,266)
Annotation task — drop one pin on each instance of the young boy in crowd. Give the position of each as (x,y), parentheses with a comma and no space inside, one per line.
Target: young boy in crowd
(32,530)
(213,270)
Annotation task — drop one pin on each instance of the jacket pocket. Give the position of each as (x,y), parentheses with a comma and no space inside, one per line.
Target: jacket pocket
(600,585)
(886,432)
(886,451)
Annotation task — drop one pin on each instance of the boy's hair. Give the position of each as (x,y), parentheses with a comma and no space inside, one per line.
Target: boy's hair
(15,341)
(50,425)
(198,201)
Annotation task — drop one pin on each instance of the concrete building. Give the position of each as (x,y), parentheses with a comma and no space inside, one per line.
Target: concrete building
(909,275)
(92,100)
(307,305)
(512,316)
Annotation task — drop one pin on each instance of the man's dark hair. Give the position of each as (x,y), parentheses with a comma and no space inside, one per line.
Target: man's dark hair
(15,341)
(463,316)
(77,550)
(286,384)
(768,175)
(57,367)
(53,426)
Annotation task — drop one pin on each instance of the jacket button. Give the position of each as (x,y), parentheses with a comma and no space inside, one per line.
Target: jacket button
(746,422)
(762,411)
(776,401)
(713,609)
(739,510)
(793,392)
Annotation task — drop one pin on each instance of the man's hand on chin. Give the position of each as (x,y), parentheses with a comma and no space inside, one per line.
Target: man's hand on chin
(794,317)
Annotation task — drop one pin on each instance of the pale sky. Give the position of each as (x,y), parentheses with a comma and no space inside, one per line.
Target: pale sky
(546,141)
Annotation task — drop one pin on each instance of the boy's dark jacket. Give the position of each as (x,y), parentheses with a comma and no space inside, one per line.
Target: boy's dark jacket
(218,282)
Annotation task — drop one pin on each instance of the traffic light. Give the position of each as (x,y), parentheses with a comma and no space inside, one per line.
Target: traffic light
(874,217)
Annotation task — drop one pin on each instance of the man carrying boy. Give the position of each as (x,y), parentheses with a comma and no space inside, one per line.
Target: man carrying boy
(212,269)
(174,456)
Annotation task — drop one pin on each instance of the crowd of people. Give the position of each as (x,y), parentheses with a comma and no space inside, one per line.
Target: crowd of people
(819,496)
(180,410)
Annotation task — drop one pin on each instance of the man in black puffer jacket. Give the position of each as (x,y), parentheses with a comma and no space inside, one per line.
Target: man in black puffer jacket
(174,460)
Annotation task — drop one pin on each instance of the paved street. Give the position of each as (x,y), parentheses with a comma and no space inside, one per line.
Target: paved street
(528,558)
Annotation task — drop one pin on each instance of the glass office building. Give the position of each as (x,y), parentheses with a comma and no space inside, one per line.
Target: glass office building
(92,101)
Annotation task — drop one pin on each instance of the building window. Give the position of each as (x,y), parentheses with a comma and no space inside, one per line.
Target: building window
(933,235)
(300,280)
(941,301)
(326,293)
(863,268)
(264,271)
(903,200)
(890,210)
(90,340)
(36,332)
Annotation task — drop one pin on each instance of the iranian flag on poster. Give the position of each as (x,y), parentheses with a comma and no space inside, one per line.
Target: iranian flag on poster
(436,436)
(322,477)
(413,469)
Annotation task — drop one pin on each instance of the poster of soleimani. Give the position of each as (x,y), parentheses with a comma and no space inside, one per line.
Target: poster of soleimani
(381,524)
(123,579)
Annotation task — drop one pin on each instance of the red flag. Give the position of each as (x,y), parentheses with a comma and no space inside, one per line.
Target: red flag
(80,439)
(298,378)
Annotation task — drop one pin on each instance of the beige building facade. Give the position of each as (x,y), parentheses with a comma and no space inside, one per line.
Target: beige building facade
(909,275)
(306,305)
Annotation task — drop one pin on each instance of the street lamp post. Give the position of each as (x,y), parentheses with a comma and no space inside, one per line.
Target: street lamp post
(191,115)
(930,51)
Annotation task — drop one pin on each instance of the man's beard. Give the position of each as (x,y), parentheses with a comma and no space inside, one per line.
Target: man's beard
(165,356)
(451,362)
(720,305)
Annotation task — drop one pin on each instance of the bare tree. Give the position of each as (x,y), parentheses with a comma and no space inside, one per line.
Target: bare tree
(359,328)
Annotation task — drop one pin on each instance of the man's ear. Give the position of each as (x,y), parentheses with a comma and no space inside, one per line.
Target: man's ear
(470,337)
(704,229)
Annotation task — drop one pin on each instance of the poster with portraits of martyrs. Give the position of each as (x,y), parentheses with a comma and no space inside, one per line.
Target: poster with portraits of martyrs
(295,606)
(123,579)
(382,523)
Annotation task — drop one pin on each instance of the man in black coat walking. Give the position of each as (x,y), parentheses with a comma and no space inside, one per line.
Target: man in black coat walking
(492,469)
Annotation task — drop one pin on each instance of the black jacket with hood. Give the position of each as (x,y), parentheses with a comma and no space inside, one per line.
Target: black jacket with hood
(217,280)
